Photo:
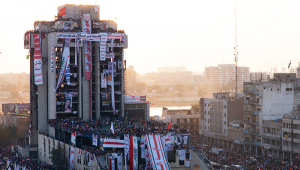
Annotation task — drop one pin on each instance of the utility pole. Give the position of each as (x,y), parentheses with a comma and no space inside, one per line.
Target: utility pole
(235,51)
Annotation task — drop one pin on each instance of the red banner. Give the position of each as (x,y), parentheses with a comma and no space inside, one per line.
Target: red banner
(87,47)
(63,11)
(38,76)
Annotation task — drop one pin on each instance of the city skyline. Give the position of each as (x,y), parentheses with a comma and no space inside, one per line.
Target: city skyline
(204,30)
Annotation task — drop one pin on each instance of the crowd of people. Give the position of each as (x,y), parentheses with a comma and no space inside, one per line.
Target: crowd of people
(103,126)
(233,158)
(11,160)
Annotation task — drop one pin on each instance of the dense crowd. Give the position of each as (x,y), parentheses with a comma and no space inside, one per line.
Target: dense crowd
(121,126)
(11,160)
(231,157)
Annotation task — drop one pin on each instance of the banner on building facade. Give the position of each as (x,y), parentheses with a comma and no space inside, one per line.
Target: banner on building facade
(103,79)
(103,46)
(52,53)
(133,153)
(16,108)
(73,138)
(95,140)
(68,25)
(64,62)
(87,47)
(68,72)
(113,143)
(68,104)
(72,154)
(156,152)
(110,67)
(105,98)
(38,74)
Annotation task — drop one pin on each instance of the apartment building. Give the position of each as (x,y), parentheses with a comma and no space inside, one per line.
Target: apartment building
(267,101)
(215,115)
(226,73)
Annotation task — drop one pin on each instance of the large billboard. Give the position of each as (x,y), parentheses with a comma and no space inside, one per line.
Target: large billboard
(17,108)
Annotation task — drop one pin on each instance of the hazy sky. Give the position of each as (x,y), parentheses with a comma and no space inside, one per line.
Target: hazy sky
(194,33)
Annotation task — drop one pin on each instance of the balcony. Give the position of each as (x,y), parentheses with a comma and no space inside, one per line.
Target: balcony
(286,130)
(286,148)
(271,135)
(257,143)
(270,146)
(256,113)
(246,131)
(246,102)
(251,92)
(254,133)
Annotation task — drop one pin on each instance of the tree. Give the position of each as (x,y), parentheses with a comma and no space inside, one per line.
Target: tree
(195,107)
(59,160)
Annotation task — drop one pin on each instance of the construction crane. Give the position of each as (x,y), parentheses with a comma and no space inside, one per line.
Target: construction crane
(235,50)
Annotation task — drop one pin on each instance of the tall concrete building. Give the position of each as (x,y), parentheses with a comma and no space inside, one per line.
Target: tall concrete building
(130,78)
(267,101)
(225,73)
(71,70)
(258,76)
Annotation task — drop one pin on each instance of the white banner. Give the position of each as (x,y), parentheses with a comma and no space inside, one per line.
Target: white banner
(68,72)
(156,152)
(104,79)
(95,140)
(120,162)
(52,51)
(135,153)
(113,143)
(64,62)
(38,74)
(87,46)
(103,46)
(72,154)
(78,153)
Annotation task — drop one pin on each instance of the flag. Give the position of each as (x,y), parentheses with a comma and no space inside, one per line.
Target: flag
(27,56)
(112,128)
(169,126)
(290,64)
(113,143)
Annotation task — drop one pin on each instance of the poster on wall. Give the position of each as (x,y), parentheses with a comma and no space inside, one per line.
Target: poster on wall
(103,46)
(68,25)
(110,67)
(120,65)
(105,98)
(38,75)
(16,108)
(68,104)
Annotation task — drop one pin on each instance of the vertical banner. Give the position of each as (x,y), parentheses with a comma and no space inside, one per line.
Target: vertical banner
(72,154)
(38,75)
(95,140)
(120,162)
(63,65)
(68,72)
(126,148)
(73,138)
(76,53)
(87,46)
(133,153)
(88,59)
(113,89)
(68,105)
(78,153)
(112,66)
(52,51)
(103,46)
(104,79)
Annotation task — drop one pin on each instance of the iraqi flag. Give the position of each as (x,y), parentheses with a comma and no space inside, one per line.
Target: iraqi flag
(112,128)
(290,64)
(113,143)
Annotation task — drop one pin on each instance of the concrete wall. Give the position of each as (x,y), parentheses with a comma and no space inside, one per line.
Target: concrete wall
(276,101)
(43,90)
(44,152)
(196,163)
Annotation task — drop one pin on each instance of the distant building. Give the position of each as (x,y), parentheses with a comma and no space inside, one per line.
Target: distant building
(258,76)
(130,77)
(183,118)
(225,73)
(215,115)
(171,69)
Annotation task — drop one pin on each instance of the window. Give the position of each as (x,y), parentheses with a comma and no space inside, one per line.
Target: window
(204,104)
(289,89)
(208,112)
(225,106)
(208,121)
(224,130)
(178,121)
(271,89)
(204,112)
(205,120)
(224,122)
(207,104)
(225,115)
(205,127)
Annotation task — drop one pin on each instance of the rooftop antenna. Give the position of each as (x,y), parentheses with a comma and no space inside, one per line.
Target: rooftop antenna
(235,49)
